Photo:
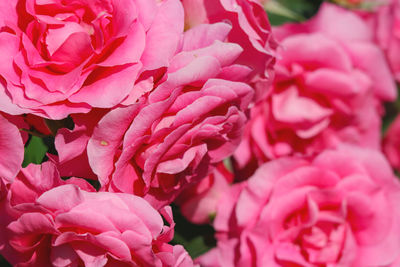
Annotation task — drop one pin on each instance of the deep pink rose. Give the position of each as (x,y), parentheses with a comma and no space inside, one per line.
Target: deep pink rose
(329,83)
(63,57)
(168,137)
(250,29)
(66,223)
(198,203)
(341,209)
(391,144)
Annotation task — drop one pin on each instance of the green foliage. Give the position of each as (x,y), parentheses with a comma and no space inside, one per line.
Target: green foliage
(35,151)
(305,8)
(3,262)
(392,109)
(283,11)
(277,20)
(197,239)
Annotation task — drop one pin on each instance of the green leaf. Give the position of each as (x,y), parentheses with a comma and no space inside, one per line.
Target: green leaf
(35,151)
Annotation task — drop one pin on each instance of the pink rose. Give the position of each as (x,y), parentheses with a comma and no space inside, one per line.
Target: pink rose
(198,203)
(7,216)
(330,81)
(353,35)
(11,148)
(386,25)
(168,138)
(71,145)
(63,57)
(29,184)
(250,29)
(61,224)
(341,209)
(391,143)
(12,155)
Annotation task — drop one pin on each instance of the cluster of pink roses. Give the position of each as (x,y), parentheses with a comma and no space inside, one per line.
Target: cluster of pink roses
(310,185)
(158,95)
(150,102)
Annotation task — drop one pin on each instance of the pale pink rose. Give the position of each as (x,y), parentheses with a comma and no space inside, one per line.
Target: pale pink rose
(63,57)
(330,81)
(198,202)
(340,209)
(169,137)
(250,29)
(63,224)
(11,148)
(391,144)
